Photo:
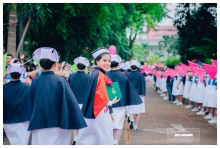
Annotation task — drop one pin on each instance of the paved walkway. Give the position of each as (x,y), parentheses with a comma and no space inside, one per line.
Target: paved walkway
(161,117)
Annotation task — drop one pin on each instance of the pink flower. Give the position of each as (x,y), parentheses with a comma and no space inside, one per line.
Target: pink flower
(109,82)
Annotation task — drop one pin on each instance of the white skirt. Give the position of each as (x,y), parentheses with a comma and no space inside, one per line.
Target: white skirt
(17,133)
(98,132)
(179,91)
(51,136)
(152,79)
(158,82)
(119,116)
(200,92)
(186,91)
(212,98)
(137,109)
(207,90)
(164,88)
(192,91)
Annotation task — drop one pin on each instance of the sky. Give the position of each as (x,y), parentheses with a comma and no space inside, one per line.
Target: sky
(168,21)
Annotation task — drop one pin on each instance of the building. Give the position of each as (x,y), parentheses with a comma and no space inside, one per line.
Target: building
(154,36)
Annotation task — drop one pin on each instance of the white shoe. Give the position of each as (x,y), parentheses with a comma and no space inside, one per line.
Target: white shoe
(195,110)
(176,101)
(165,97)
(135,128)
(188,106)
(213,121)
(179,103)
(162,95)
(208,117)
(200,113)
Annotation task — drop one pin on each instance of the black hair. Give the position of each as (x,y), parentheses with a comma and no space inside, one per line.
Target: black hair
(10,55)
(64,65)
(134,67)
(114,64)
(121,70)
(46,63)
(128,70)
(98,58)
(15,75)
(80,66)
(17,60)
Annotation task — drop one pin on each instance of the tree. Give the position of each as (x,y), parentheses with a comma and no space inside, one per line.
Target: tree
(198,33)
(11,43)
(170,44)
(153,59)
(145,14)
(140,51)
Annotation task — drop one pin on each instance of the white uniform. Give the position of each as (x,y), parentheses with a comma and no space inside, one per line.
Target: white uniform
(212,98)
(98,132)
(200,92)
(17,133)
(192,89)
(207,91)
(186,91)
(137,109)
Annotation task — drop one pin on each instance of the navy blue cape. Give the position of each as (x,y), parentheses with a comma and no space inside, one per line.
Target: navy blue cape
(87,108)
(54,104)
(138,80)
(78,84)
(16,102)
(130,95)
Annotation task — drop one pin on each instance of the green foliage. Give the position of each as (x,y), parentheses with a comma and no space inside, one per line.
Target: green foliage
(169,43)
(208,61)
(197,35)
(153,59)
(71,27)
(172,61)
(140,52)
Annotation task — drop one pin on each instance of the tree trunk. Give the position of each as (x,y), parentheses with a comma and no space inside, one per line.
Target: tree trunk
(131,45)
(23,35)
(21,30)
(11,45)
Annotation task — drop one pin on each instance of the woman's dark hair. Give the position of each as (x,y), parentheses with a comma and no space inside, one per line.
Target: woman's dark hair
(64,65)
(121,70)
(114,64)
(17,60)
(15,75)
(98,58)
(80,66)
(128,70)
(134,67)
(46,63)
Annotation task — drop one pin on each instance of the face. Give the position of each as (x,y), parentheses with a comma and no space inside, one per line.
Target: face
(9,58)
(59,66)
(105,62)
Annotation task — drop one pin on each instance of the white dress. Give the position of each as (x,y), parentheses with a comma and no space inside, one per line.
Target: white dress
(207,90)
(98,132)
(158,82)
(164,88)
(17,133)
(179,91)
(186,91)
(119,116)
(192,89)
(51,136)
(212,98)
(200,92)
(174,89)
(137,109)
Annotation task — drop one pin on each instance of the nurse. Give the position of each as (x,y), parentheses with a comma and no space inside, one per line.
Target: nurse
(54,108)
(16,107)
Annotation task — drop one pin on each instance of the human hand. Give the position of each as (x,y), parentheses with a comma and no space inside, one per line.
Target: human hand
(115,100)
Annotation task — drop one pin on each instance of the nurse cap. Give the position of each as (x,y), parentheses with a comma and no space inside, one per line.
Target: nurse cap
(46,53)
(82,60)
(116,58)
(134,62)
(14,67)
(99,51)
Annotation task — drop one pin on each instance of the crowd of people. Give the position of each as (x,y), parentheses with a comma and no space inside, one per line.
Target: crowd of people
(49,100)
(198,88)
